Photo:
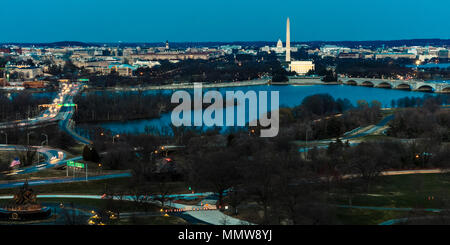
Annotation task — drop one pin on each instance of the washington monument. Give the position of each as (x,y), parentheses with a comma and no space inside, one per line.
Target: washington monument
(288,42)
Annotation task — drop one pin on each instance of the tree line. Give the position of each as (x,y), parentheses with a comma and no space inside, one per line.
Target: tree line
(20,106)
(105,106)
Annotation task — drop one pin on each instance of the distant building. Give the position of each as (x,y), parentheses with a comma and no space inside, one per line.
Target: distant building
(349,56)
(35,84)
(334,50)
(171,56)
(395,55)
(122,69)
(28,72)
(5,50)
(301,67)
(279,49)
(146,63)
(424,57)
(443,54)
(228,49)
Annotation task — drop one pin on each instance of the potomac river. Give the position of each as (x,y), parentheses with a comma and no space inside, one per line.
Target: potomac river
(289,96)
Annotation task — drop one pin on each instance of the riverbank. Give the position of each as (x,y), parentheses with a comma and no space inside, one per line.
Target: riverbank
(116,120)
(185,86)
(309,83)
(289,96)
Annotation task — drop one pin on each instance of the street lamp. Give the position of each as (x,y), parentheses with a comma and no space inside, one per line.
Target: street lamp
(6,137)
(306,142)
(46,138)
(28,137)
(116,136)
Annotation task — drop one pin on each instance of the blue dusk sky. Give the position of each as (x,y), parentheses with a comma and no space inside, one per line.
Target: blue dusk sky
(220,20)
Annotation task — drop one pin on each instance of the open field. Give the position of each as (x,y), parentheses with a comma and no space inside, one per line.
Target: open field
(401,191)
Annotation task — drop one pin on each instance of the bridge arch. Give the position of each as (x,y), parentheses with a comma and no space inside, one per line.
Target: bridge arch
(403,86)
(425,88)
(446,90)
(351,82)
(367,84)
(384,85)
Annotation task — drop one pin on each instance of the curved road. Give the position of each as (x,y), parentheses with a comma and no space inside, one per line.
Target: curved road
(62,114)
(353,135)
(198,212)
(63,180)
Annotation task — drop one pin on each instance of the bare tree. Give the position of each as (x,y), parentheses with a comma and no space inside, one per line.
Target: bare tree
(216,170)
(367,161)
(164,190)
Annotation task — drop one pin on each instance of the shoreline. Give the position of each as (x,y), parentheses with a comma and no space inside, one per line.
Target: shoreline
(256,82)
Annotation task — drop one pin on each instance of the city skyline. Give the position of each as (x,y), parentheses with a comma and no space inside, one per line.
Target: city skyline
(143,21)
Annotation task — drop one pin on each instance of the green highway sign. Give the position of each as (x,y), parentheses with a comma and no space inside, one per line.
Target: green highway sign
(75,164)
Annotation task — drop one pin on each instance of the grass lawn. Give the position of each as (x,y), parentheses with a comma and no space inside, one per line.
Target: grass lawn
(152,220)
(401,191)
(353,216)
(405,191)
(376,138)
(89,204)
(96,187)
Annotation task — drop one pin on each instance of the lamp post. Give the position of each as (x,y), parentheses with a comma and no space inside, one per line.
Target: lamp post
(6,137)
(115,136)
(86,166)
(306,142)
(28,137)
(153,155)
(46,138)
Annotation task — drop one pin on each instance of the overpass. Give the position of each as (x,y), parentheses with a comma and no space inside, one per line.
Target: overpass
(413,85)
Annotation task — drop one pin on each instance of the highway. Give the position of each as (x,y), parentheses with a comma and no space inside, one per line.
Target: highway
(50,115)
(373,129)
(57,113)
(14,184)
(65,114)
(52,158)
(61,113)
(351,135)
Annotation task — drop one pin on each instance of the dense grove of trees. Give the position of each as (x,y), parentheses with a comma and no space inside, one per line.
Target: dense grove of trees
(286,187)
(104,106)
(372,68)
(428,121)
(440,99)
(267,180)
(21,106)
(229,68)
(434,73)
(321,116)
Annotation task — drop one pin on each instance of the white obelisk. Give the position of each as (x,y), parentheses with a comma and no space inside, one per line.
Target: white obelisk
(288,42)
